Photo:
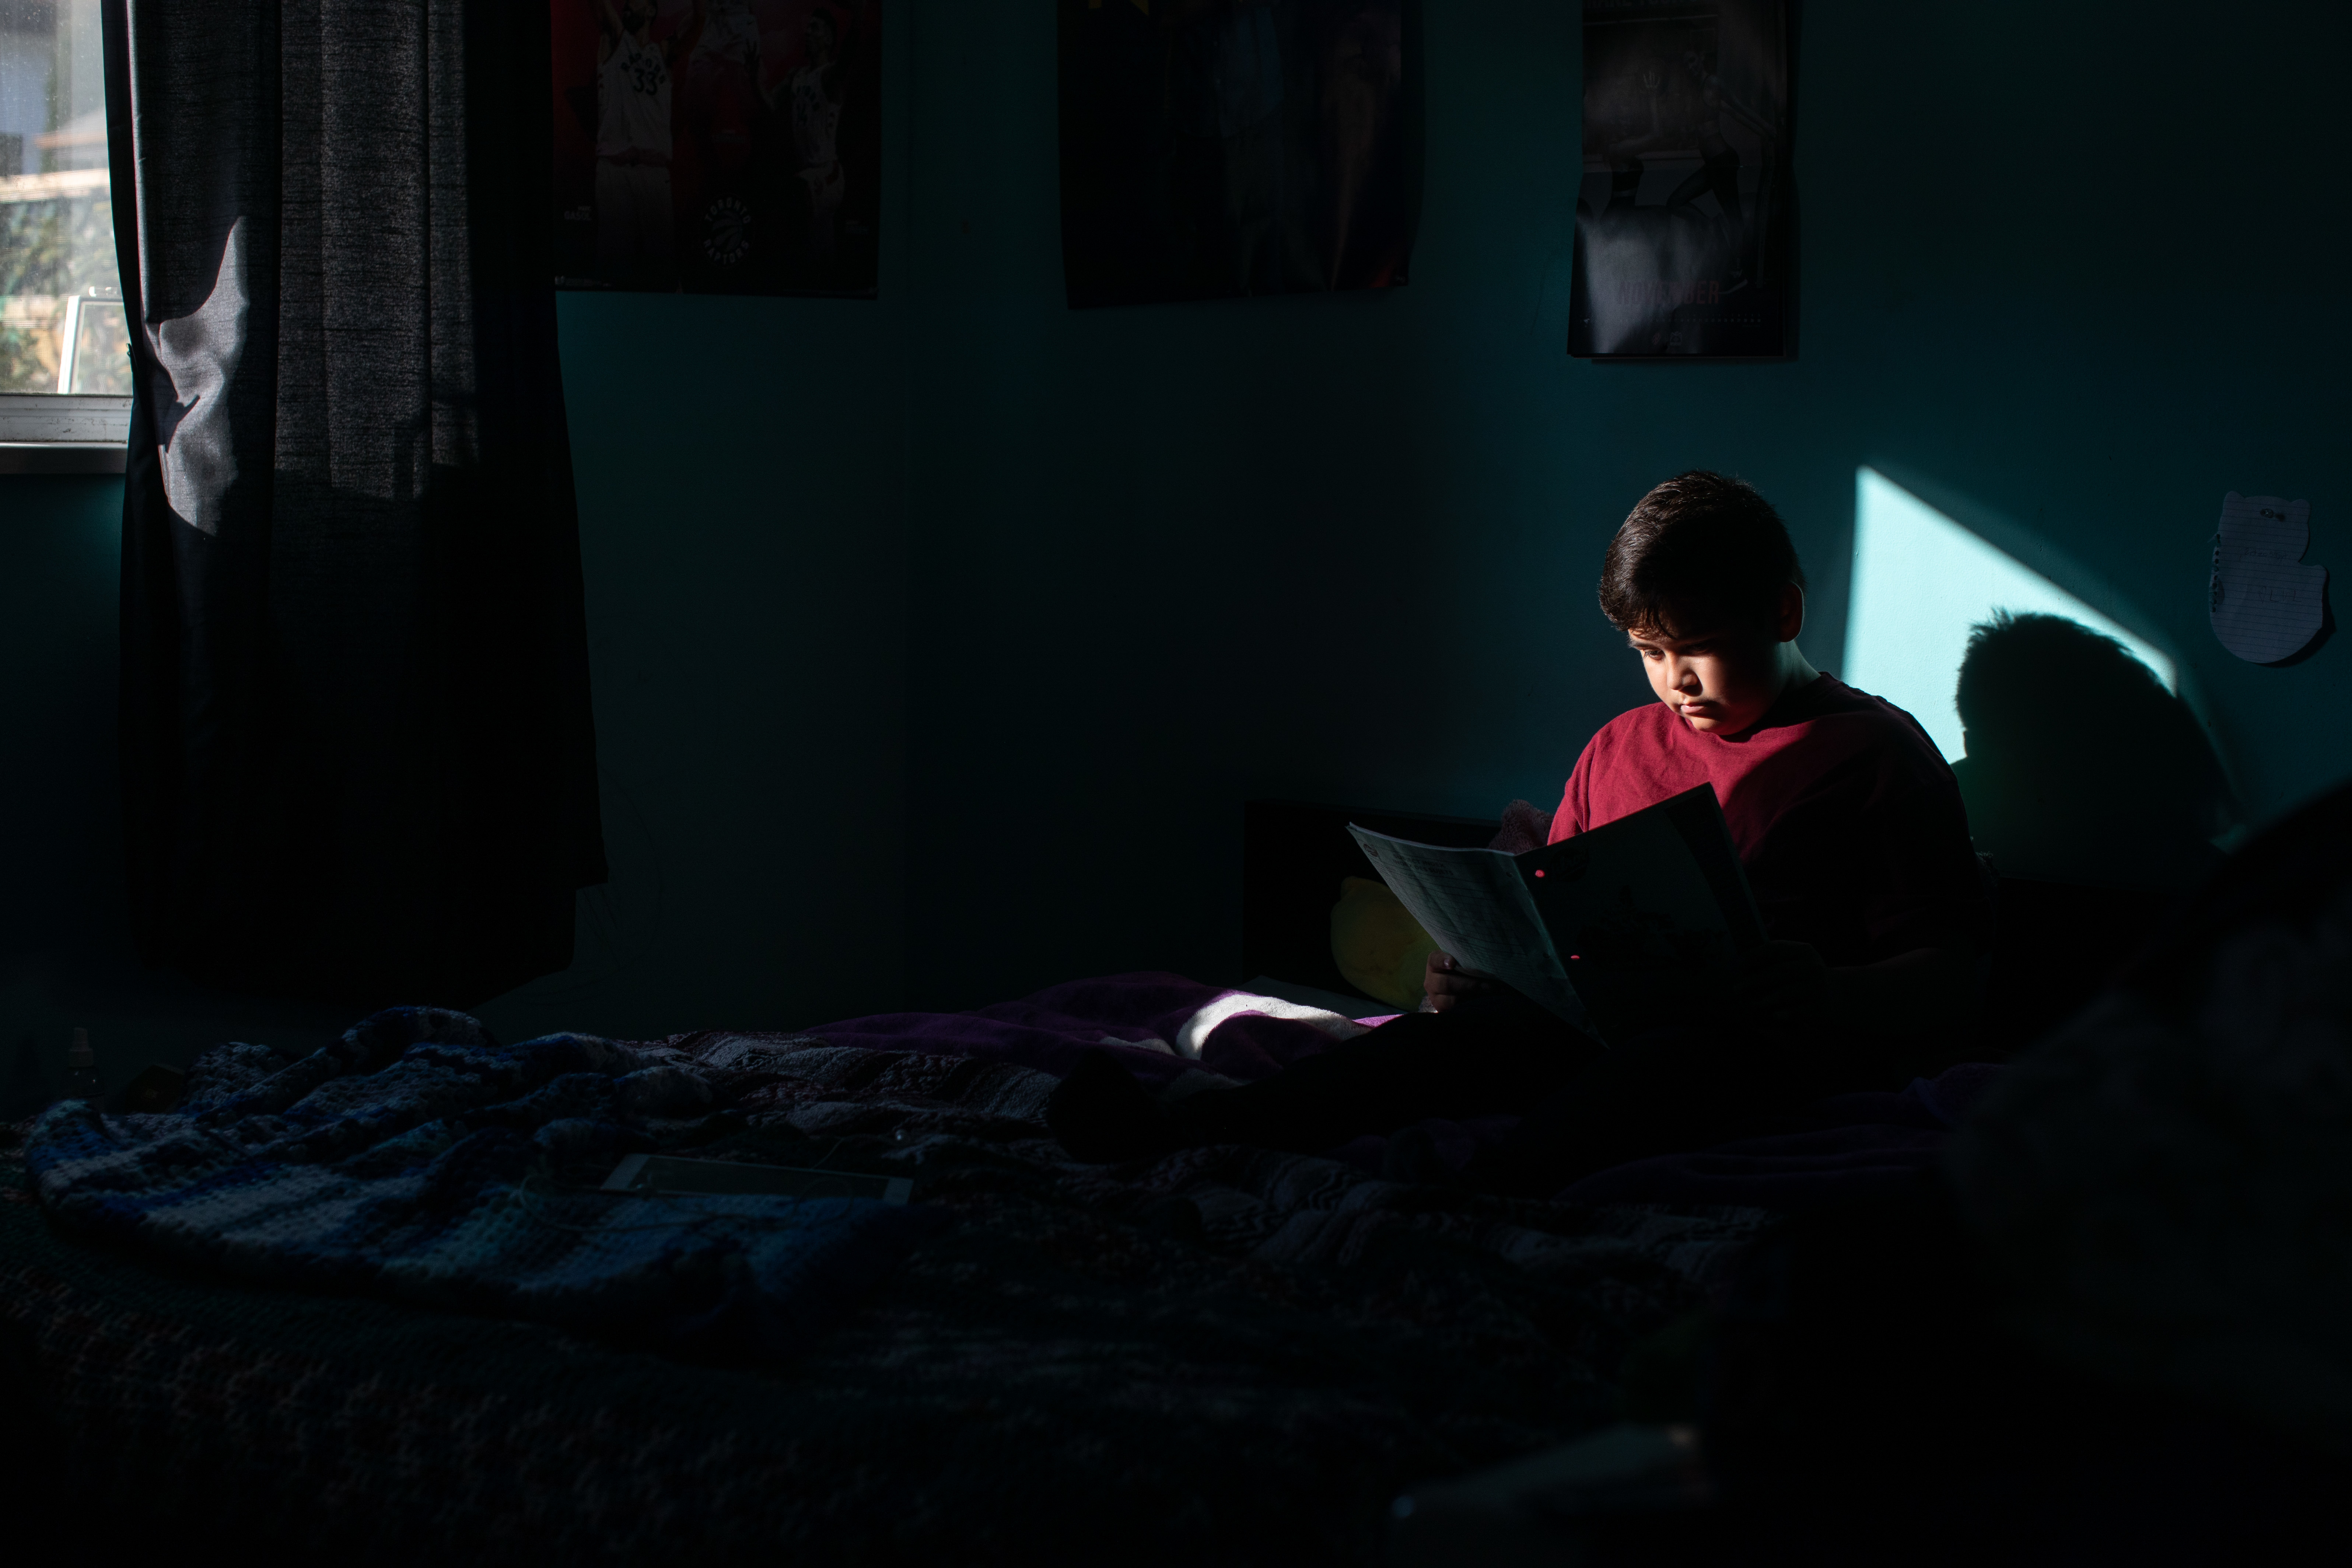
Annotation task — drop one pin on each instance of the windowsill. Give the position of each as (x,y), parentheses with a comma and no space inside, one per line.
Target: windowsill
(59,457)
(43,433)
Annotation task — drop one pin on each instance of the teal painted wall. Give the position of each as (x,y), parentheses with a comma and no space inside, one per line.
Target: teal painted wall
(741,515)
(60,853)
(65,943)
(937,641)
(1166,559)
(741,471)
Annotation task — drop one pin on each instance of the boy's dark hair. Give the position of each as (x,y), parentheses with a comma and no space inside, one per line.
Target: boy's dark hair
(1706,549)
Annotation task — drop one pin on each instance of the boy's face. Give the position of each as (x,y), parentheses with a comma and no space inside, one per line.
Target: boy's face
(1721,679)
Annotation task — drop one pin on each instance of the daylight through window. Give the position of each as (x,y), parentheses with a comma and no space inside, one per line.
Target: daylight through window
(62,327)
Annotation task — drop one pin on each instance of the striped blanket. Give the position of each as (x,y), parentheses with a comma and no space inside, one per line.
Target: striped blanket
(417,1159)
(1251,1350)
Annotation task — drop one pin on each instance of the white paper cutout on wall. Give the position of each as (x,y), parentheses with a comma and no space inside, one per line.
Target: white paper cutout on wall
(2266,605)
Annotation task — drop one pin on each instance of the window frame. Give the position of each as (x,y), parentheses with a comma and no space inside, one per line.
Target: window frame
(63,433)
(64,158)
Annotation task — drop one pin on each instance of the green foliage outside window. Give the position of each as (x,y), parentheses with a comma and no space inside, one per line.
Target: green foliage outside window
(49,251)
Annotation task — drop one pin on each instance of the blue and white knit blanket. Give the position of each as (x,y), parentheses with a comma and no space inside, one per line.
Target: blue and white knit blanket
(418,1159)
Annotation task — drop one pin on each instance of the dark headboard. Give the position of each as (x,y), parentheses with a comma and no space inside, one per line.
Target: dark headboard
(1294,854)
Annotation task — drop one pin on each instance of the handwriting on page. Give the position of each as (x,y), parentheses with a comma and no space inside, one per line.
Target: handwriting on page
(2265,604)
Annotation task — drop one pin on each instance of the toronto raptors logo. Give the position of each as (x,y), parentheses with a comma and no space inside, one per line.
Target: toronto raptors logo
(646,73)
(727,231)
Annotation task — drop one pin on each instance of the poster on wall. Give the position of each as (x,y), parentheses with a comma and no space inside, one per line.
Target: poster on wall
(1682,233)
(1212,149)
(718,146)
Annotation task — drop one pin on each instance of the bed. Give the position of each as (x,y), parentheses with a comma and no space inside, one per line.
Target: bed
(1225,1355)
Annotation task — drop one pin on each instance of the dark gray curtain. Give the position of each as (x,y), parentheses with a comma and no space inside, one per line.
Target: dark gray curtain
(358,759)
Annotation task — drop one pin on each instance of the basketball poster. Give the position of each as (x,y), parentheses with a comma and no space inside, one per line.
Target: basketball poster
(718,146)
(1683,234)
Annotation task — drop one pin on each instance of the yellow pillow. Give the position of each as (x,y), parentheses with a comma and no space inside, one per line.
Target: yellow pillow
(1379,947)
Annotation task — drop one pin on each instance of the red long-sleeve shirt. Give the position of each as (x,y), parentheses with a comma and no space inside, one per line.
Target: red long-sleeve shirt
(1845,816)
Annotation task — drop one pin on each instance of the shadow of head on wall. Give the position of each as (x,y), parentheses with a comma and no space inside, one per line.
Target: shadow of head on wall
(2081,767)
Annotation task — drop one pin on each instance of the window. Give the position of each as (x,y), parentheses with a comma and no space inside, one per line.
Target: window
(64,372)
(1920,582)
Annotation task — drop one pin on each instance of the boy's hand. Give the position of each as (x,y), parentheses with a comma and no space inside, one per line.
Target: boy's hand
(1445,982)
(1784,983)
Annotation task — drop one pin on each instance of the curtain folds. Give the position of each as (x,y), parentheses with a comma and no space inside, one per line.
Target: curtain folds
(358,758)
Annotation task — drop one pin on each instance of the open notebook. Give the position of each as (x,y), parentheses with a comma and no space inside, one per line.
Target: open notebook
(1609,930)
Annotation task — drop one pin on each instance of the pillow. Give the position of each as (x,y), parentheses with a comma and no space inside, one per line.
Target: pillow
(1379,948)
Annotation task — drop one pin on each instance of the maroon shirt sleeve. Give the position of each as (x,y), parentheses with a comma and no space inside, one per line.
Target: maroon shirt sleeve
(1872,859)
(1929,889)
(1575,796)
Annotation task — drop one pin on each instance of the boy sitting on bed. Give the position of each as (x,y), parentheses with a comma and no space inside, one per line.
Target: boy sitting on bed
(1855,840)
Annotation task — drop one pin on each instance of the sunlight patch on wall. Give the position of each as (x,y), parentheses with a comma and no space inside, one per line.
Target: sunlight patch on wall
(1920,582)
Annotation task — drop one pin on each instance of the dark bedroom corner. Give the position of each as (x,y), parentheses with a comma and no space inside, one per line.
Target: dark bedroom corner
(1369,781)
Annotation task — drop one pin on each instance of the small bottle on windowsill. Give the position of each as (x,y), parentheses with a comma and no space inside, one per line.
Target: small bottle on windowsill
(81,1070)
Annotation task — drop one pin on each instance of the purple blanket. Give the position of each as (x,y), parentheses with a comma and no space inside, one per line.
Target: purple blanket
(1162,1026)
(1159,1027)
